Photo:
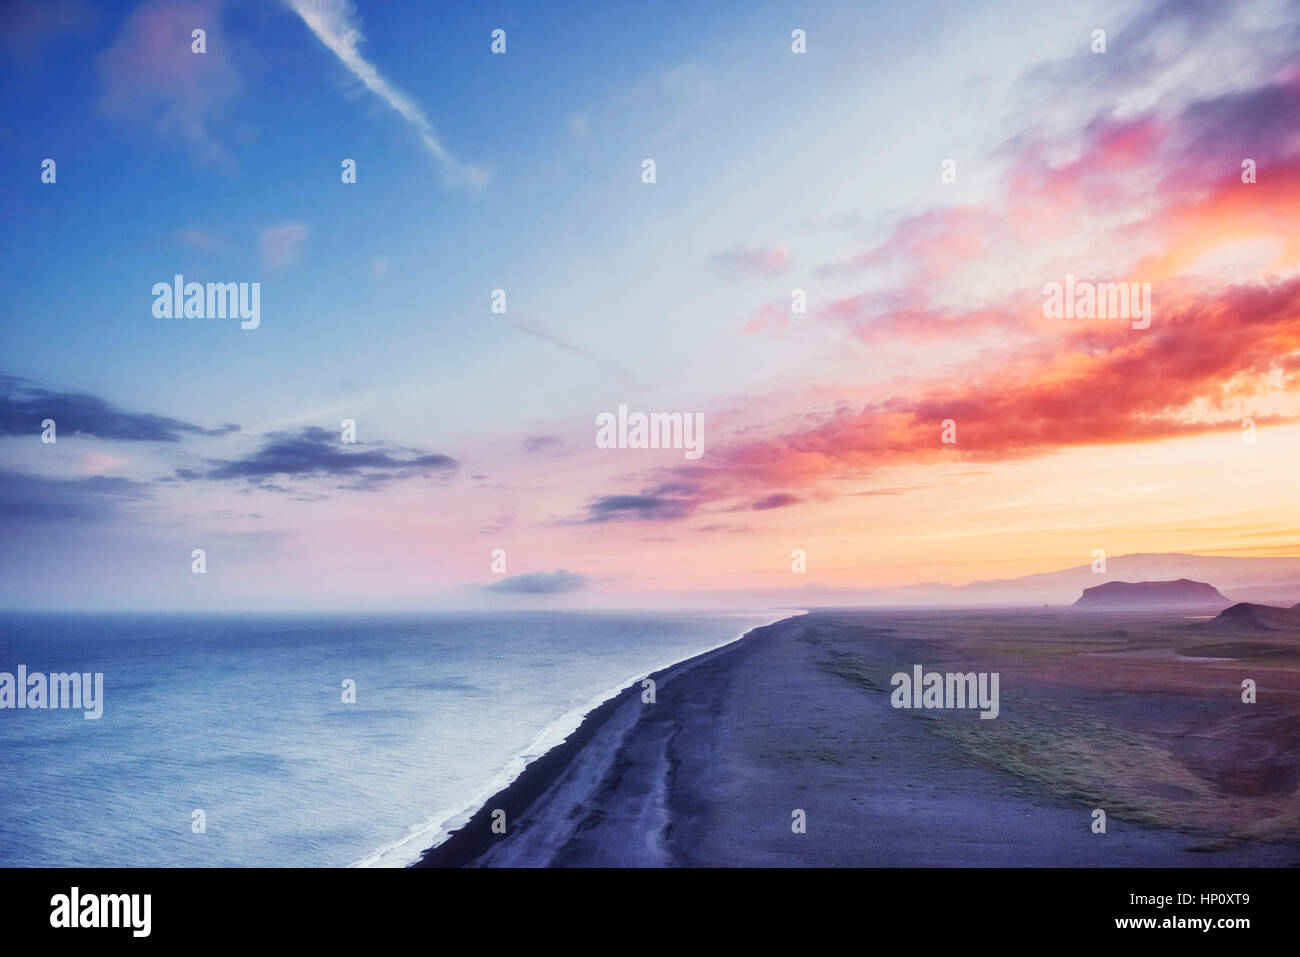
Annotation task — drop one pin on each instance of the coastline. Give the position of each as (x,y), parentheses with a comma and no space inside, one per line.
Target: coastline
(794,717)
(466,843)
(551,745)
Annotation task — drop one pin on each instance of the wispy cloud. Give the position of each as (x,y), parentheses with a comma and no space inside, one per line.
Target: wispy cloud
(580,125)
(196,238)
(151,75)
(543,444)
(541,583)
(29,498)
(281,245)
(639,508)
(752,260)
(335,24)
(779,500)
(316,452)
(538,331)
(96,463)
(24,405)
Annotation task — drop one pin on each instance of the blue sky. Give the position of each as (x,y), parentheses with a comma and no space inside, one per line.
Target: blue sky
(561,123)
(775,171)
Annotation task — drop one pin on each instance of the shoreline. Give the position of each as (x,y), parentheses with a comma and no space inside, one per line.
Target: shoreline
(465,844)
(796,718)
(543,766)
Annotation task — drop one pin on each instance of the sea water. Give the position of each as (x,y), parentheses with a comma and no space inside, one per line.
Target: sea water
(227,740)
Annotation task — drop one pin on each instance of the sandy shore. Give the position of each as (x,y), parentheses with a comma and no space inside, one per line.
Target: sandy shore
(797,716)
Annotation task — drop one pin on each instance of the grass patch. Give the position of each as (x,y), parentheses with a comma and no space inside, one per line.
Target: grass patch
(1088,760)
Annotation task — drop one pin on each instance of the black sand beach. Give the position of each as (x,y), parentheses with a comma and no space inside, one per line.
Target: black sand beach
(797,715)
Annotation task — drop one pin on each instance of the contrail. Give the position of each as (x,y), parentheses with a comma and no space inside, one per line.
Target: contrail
(541,332)
(335,24)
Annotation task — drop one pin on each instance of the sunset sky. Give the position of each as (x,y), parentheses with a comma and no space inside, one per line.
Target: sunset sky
(522,171)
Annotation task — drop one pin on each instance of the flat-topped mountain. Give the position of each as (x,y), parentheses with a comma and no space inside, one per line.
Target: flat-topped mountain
(1181,594)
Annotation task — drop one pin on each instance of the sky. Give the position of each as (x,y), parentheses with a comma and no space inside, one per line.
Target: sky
(919,176)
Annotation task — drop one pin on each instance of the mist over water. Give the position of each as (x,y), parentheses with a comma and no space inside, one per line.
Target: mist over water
(244,719)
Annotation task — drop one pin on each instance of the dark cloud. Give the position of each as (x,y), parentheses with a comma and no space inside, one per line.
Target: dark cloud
(498,524)
(534,444)
(23,406)
(668,500)
(26,497)
(674,488)
(372,482)
(1258,123)
(1152,47)
(779,500)
(316,452)
(658,508)
(1138,49)
(540,583)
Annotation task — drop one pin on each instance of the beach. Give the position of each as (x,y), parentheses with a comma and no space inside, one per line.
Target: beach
(797,717)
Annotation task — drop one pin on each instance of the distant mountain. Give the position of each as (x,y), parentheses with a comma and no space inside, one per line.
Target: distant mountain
(1238,577)
(1181,594)
(1251,578)
(1245,616)
(1227,572)
(1284,593)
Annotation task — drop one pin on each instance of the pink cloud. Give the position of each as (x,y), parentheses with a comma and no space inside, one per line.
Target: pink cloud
(1093,385)
(197,238)
(766,316)
(1114,213)
(96,463)
(282,245)
(152,76)
(928,243)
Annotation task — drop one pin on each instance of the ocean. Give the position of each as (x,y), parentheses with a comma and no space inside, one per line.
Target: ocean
(243,719)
